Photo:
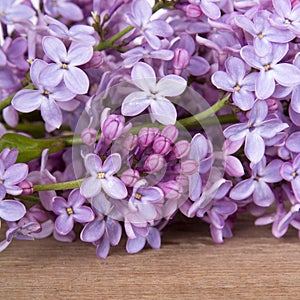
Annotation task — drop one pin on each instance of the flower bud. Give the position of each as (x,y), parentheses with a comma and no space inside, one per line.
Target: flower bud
(89,136)
(27,187)
(272,104)
(162,145)
(189,167)
(130,142)
(181,149)
(113,127)
(130,177)
(193,11)
(172,189)
(170,132)
(147,135)
(96,61)
(154,163)
(181,60)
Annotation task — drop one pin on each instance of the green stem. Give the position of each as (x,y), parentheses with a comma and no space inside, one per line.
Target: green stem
(6,102)
(30,198)
(68,185)
(196,119)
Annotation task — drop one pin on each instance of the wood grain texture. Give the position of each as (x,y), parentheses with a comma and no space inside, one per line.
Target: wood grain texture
(252,265)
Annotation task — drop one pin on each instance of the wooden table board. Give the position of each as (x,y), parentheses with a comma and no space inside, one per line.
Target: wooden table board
(252,265)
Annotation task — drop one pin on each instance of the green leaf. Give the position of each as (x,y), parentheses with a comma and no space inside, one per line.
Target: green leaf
(30,148)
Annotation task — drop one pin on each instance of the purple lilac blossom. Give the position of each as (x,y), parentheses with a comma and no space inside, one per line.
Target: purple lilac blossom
(71,211)
(139,18)
(234,80)
(102,177)
(153,94)
(65,65)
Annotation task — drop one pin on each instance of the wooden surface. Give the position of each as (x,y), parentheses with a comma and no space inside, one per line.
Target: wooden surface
(252,265)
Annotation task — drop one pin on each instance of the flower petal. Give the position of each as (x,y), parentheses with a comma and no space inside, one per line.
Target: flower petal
(55,49)
(254,147)
(135,103)
(171,85)
(114,188)
(163,111)
(91,187)
(64,224)
(93,231)
(76,80)
(11,210)
(51,113)
(144,77)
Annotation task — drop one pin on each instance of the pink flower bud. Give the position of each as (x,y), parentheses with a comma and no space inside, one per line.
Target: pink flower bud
(130,177)
(27,187)
(130,142)
(89,136)
(189,167)
(193,11)
(182,180)
(181,60)
(170,132)
(181,149)
(95,62)
(147,135)
(113,127)
(154,163)
(272,104)
(172,189)
(162,145)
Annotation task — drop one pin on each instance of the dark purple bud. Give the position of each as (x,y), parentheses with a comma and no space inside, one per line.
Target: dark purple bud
(147,135)
(113,127)
(130,177)
(181,149)
(170,132)
(162,145)
(193,11)
(181,60)
(154,163)
(27,187)
(172,189)
(89,136)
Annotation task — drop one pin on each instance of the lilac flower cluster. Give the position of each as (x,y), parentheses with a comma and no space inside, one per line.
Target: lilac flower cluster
(119,115)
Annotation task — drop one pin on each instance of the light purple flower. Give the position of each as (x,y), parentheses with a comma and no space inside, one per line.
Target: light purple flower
(271,70)
(153,94)
(235,81)
(139,17)
(46,97)
(71,211)
(12,11)
(105,230)
(65,64)
(102,177)
(10,177)
(263,33)
(258,184)
(65,8)
(208,7)
(295,98)
(286,16)
(255,131)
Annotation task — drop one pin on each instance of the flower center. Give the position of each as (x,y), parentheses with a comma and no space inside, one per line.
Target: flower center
(46,93)
(1,181)
(64,66)
(267,67)
(138,196)
(287,21)
(260,36)
(294,174)
(152,95)
(101,175)
(237,87)
(69,211)
(53,3)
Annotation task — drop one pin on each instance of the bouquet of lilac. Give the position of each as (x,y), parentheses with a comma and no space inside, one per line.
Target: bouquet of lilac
(119,115)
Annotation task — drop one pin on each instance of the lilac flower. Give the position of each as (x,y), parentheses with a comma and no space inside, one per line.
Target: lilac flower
(208,7)
(12,11)
(258,128)
(11,210)
(235,81)
(10,177)
(46,97)
(77,33)
(295,99)
(139,18)
(286,16)
(137,244)
(102,177)
(262,175)
(264,34)
(271,70)
(65,8)
(105,230)
(71,211)
(290,172)
(153,94)
(65,64)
